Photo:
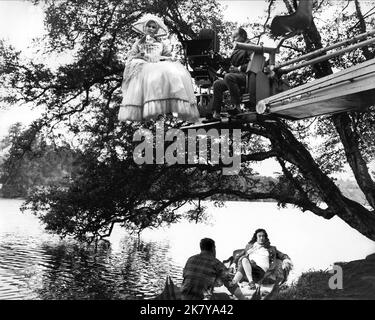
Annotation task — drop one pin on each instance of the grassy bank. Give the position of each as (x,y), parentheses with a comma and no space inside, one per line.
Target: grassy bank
(358,283)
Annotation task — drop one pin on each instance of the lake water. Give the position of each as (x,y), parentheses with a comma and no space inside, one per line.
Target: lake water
(38,265)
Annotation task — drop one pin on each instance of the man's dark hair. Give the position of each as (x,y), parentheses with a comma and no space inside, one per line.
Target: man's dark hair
(207,244)
(242,32)
(254,238)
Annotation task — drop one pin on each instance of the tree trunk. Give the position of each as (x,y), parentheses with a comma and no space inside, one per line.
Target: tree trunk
(295,152)
(343,125)
(362,27)
(348,210)
(349,139)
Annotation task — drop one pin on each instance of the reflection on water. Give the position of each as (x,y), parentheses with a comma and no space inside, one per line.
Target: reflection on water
(36,266)
(65,270)
(75,272)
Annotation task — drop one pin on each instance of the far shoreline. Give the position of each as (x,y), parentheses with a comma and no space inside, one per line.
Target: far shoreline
(208,199)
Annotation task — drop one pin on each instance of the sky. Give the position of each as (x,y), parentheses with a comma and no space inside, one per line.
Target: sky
(20,22)
(243,10)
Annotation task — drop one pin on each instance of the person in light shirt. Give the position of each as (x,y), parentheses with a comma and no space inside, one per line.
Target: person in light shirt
(259,257)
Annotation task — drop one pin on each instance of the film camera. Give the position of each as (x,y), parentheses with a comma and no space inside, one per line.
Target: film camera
(203,58)
(205,64)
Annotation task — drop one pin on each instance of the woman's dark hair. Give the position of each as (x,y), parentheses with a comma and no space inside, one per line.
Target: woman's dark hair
(242,32)
(267,243)
(207,244)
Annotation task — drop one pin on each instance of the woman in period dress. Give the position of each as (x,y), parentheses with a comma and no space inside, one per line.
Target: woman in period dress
(153,83)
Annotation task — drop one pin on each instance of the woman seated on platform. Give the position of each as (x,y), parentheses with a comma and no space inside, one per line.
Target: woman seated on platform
(153,82)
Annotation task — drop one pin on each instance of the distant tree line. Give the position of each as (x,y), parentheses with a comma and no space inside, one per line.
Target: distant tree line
(28,162)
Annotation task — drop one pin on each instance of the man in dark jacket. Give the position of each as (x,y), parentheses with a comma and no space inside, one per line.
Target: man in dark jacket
(234,79)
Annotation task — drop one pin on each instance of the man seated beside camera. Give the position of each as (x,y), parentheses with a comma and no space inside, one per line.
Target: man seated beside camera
(234,79)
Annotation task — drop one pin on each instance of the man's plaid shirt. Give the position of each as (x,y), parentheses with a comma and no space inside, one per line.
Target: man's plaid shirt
(200,274)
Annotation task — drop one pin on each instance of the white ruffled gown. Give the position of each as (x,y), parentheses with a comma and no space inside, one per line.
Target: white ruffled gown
(154,88)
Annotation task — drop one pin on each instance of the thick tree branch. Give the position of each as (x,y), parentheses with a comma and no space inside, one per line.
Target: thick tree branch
(350,141)
(259,156)
(253,196)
